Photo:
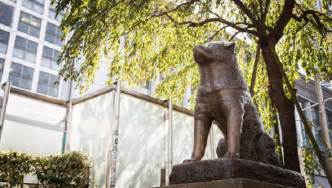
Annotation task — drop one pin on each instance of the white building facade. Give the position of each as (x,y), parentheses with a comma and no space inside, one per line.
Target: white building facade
(30,43)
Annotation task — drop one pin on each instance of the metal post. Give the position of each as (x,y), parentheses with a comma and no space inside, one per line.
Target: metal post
(115,134)
(163,170)
(162,177)
(67,120)
(170,131)
(66,128)
(169,140)
(4,106)
(322,112)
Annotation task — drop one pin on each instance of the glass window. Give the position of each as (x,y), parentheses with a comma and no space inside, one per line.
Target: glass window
(2,65)
(36,5)
(6,14)
(25,49)
(325,84)
(53,34)
(48,84)
(29,24)
(4,38)
(50,58)
(52,15)
(317,126)
(21,76)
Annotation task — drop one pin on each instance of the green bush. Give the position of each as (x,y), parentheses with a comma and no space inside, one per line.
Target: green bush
(68,170)
(13,167)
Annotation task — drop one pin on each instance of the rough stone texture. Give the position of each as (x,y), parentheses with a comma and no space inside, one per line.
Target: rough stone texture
(229,183)
(221,169)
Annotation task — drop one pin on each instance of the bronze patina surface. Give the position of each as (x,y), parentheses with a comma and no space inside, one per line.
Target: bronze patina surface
(223,98)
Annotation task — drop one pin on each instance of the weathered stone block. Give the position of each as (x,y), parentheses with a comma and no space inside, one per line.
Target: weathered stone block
(221,169)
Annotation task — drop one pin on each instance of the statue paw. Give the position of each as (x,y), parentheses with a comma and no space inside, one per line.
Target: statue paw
(231,155)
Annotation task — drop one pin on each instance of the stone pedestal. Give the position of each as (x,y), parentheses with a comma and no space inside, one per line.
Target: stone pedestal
(235,172)
(228,183)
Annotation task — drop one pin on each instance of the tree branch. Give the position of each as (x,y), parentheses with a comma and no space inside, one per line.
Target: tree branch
(266,8)
(210,20)
(216,33)
(219,19)
(314,17)
(283,20)
(246,11)
(254,71)
(159,14)
(234,35)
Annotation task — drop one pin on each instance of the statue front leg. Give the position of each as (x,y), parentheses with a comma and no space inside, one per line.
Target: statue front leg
(202,127)
(234,127)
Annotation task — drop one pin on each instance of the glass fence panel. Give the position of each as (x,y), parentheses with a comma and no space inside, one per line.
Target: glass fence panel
(213,140)
(31,138)
(90,132)
(140,150)
(143,135)
(32,126)
(183,136)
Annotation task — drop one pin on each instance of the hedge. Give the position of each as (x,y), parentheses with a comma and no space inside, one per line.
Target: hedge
(67,170)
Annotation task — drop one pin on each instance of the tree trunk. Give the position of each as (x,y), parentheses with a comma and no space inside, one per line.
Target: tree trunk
(284,106)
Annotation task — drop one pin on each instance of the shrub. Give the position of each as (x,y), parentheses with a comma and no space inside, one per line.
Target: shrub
(13,167)
(68,170)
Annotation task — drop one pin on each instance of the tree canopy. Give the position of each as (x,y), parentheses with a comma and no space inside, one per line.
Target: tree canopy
(160,35)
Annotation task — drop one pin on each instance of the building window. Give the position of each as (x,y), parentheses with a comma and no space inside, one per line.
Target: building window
(53,34)
(326,84)
(6,14)
(312,114)
(36,5)
(317,126)
(29,24)
(21,76)
(48,84)
(4,38)
(25,49)
(2,65)
(52,15)
(50,58)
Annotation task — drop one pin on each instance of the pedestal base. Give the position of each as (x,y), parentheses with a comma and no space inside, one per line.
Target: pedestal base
(230,169)
(229,183)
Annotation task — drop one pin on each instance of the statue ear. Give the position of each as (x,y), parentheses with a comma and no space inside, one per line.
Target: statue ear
(202,54)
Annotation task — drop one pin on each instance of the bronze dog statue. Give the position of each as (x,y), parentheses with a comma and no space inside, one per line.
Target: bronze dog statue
(223,98)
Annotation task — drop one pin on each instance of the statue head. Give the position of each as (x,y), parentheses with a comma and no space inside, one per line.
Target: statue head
(215,51)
